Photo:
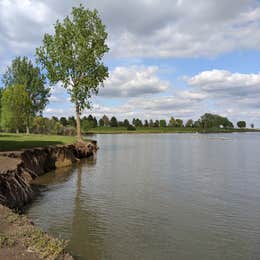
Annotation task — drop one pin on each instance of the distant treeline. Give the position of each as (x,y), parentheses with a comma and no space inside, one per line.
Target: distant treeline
(67,125)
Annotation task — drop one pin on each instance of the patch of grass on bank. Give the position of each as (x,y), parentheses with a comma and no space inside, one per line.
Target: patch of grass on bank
(147,130)
(5,241)
(20,236)
(12,142)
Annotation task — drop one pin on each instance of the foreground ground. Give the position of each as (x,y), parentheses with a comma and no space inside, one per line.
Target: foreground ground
(20,239)
(12,142)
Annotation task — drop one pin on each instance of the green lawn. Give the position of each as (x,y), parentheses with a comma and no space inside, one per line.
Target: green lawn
(147,130)
(140,130)
(12,142)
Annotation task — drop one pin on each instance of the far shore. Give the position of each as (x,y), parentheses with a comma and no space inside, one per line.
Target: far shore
(166,130)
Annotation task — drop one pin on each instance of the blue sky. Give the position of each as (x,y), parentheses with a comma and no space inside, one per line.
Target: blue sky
(167,58)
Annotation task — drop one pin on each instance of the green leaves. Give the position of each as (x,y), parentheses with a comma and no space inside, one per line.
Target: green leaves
(16,107)
(23,72)
(73,55)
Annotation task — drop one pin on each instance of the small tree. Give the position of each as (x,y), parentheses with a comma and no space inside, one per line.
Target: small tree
(189,123)
(156,123)
(101,122)
(126,123)
(163,123)
(172,122)
(63,121)
(16,108)
(23,72)
(113,122)
(73,56)
(106,120)
(72,121)
(252,126)
(179,123)
(241,124)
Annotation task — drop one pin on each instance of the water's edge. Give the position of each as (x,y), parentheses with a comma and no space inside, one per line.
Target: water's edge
(17,172)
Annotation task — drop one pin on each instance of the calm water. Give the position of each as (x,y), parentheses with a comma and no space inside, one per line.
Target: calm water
(176,196)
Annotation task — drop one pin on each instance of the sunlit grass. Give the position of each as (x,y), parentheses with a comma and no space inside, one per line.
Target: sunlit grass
(11,142)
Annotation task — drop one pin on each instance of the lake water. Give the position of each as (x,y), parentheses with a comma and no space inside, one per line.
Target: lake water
(171,196)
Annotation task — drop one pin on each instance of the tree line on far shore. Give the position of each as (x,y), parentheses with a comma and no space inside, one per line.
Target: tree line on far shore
(67,125)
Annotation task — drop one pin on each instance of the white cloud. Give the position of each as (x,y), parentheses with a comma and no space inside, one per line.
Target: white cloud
(142,28)
(180,28)
(133,81)
(235,95)
(225,83)
(153,107)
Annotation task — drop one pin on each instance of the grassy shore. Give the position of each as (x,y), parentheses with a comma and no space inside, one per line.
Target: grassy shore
(147,130)
(19,239)
(12,142)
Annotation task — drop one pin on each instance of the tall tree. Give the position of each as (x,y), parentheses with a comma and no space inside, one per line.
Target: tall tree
(16,108)
(23,72)
(73,56)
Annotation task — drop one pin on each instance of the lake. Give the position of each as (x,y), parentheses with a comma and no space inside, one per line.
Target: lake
(170,196)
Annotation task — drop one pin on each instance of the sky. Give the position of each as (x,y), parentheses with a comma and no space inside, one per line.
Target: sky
(179,58)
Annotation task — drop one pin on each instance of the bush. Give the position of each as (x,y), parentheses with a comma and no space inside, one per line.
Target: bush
(131,128)
(70,131)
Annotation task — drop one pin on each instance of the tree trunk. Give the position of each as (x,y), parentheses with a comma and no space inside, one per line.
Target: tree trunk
(17,130)
(27,130)
(78,123)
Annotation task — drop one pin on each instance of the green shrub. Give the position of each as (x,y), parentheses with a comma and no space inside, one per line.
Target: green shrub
(131,128)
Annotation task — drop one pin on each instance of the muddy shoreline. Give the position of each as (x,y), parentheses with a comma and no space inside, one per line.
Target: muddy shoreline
(17,172)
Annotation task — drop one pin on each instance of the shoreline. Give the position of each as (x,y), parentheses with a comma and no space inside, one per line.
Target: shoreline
(18,169)
(169,131)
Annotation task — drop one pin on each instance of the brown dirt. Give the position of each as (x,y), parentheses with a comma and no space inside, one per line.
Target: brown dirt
(8,164)
(20,239)
(19,169)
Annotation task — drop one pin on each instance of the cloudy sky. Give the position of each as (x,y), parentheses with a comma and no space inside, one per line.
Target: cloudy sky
(178,58)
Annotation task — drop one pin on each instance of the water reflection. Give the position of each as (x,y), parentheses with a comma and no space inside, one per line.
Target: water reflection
(158,197)
(84,221)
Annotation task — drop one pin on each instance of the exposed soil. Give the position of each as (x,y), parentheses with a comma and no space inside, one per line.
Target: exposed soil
(19,169)
(21,240)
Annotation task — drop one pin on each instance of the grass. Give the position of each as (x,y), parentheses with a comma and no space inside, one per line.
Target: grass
(147,130)
(13,142)
(140,130)
(5,241)
(19,231)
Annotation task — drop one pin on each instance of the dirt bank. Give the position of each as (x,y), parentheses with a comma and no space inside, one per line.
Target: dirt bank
(18,169)
(20,239)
